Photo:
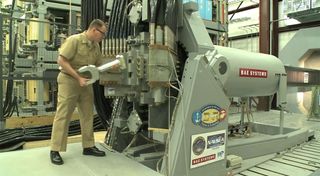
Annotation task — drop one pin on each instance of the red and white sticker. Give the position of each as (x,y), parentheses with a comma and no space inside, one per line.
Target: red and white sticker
(203,159)
(253,73)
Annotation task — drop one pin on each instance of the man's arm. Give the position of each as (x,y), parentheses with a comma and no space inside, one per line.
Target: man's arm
(63,62)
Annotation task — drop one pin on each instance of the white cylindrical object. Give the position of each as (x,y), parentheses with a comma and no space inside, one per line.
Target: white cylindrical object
(33,92)
(33,31)
(152,33)
(108,65)
(251,74)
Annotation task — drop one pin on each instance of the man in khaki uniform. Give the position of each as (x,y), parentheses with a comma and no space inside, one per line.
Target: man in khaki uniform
(77,51)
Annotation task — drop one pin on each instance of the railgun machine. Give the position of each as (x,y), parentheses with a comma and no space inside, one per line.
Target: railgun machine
(171,101)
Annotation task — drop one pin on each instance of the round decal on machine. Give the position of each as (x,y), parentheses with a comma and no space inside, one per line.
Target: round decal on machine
(208,116)
(198,145)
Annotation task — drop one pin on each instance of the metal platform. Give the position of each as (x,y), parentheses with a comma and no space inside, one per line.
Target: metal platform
(302,159)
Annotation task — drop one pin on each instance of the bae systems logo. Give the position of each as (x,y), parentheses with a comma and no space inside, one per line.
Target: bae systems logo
(253,73)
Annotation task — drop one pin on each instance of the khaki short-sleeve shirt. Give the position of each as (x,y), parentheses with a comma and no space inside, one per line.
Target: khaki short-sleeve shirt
(80,51)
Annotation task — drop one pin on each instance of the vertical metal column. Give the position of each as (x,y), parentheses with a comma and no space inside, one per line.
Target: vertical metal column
(275,28)
(2,119)
(41,52)
(264,43)
(282,100)
(73,22)
(275,36)
(264,27)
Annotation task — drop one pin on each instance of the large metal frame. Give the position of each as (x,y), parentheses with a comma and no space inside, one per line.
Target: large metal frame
(212,75)
(36,58)
(2,119)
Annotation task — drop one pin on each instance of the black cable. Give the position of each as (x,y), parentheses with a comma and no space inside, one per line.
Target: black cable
(120,16)
(93,9)
(103,106)
(171,11)
(104,14)
(114,27)
(123,25)
(8,103)
(153,4)
(83,14)
(111,19)
(10,137)
(105,10)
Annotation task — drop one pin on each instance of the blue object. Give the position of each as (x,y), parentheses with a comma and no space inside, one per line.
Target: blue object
(205,8)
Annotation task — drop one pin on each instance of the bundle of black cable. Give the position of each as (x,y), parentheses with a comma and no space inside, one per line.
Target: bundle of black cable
(14,139)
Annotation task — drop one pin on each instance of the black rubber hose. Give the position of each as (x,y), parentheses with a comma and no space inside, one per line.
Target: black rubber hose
(7,102)
(118,25)
(124,28)
(123,25)
(153,4)
(101,106)
(94,9)
(13,106)
(105,10)
(101,10)
(111,19)
(123,21)
(13,147)
(170,12)
(83,14)
(11,142)
(105,20)
(115,27)
(120,18)
(10,104)
(90,11)
(10,137)
(114,22)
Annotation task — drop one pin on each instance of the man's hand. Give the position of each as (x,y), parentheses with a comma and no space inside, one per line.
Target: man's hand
(115,67)
(83,81)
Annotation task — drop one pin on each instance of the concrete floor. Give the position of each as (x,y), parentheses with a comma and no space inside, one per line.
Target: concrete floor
(36,162)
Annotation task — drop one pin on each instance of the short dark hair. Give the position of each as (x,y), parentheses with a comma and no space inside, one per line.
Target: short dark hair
(97,23)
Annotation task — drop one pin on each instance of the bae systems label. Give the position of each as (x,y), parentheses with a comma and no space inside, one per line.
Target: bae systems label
(253,73)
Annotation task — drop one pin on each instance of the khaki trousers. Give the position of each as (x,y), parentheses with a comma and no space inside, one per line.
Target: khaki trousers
(71,95)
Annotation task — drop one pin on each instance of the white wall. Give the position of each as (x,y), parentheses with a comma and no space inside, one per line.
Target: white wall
(248,44)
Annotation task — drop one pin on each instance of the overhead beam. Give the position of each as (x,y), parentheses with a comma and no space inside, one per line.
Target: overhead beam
(243,9)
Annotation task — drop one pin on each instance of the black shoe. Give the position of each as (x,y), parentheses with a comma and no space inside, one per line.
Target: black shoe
(55,158)
(94,151)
